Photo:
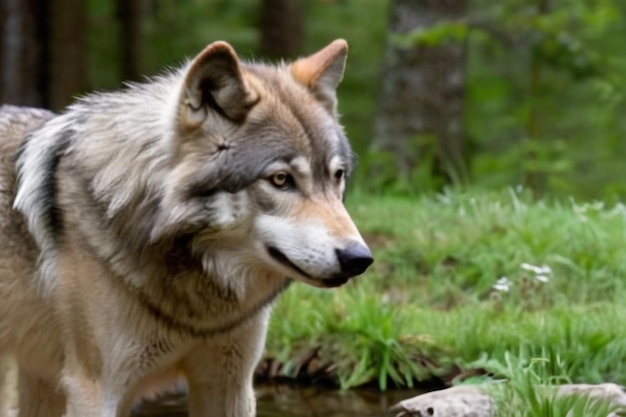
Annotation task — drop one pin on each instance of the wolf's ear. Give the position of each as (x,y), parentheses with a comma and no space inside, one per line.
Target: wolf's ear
(322,72)
(214,82)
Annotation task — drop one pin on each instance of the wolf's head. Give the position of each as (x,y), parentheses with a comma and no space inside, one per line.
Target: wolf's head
(260,165)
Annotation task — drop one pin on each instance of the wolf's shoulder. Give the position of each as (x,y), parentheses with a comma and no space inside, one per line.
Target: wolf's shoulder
(15,119)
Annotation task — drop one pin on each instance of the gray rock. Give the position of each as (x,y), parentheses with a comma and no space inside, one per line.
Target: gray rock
(473,400)
(460,401)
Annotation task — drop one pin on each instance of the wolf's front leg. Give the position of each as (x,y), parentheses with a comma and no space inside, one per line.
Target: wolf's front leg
(90,398)
(84,397)
(220,370)
(38,397)
(97,389)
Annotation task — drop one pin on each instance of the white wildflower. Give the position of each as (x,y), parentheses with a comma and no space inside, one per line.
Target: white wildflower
(542,278)
(539,270)
(528,267)
(544,270)
(503,284)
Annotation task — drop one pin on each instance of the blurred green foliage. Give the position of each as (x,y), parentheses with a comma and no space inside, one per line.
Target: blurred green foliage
(545,94)
(544,91)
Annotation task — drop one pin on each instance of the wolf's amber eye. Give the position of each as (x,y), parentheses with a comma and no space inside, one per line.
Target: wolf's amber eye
(281,180)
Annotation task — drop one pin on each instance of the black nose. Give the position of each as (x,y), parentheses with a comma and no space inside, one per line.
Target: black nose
(354,259)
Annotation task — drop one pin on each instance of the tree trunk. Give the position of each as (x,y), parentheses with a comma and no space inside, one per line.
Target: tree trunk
(130,16)
(281,27)
(66,51)
(22,71)
(534,179)
(420,108)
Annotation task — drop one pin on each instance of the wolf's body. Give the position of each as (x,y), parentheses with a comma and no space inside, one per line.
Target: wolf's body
(144,234)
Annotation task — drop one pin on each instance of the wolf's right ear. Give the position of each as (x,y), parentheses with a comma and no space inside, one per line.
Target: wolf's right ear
(322,72)
(214,82)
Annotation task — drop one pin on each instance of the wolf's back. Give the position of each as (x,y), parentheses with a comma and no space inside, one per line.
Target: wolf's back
(15,125)
(16,122)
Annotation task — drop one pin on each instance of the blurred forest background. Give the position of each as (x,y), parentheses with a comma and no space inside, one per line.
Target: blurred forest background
(436,93)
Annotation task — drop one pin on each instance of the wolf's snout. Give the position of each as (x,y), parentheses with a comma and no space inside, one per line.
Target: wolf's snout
(354,259)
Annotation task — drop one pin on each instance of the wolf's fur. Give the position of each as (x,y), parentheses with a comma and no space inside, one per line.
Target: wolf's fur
(151,229)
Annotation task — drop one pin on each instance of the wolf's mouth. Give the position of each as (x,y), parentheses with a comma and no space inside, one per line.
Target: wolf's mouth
(318,282)
(332,282)
(282,258)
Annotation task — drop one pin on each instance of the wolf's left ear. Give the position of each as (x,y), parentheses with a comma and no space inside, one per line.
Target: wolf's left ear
(322,72)
(214,82)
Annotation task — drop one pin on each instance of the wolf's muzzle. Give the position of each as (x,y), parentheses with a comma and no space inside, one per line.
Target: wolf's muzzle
(354,259)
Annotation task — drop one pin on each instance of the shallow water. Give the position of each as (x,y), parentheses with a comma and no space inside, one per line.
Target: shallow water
(282,401)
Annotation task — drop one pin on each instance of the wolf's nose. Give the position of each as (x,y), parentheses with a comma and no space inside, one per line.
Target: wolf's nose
(354,259)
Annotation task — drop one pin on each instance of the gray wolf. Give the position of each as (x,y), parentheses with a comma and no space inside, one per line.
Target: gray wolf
(145,233)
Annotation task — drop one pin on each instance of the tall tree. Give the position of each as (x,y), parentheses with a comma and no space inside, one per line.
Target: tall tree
(282,27)
(22,68)
(420,107)
(66,51)
(130,15)
(43,51)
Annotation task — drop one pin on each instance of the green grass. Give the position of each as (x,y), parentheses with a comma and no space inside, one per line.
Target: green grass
(529,391)
(428,306)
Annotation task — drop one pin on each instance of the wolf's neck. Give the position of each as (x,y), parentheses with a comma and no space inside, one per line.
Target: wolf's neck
(202,298)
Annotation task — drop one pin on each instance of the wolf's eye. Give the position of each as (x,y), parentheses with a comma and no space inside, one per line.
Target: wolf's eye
(282,180)
(339,174)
